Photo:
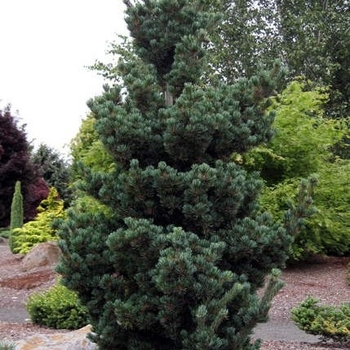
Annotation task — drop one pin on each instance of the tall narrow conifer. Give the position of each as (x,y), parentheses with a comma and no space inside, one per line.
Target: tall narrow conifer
(16,211)
(177,259)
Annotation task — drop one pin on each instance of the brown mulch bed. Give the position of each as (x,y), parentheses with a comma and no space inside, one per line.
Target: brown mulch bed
(325,279)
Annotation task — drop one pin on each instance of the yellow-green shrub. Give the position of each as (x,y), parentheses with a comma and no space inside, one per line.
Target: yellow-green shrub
(329,322)
(57,308)
(41,229)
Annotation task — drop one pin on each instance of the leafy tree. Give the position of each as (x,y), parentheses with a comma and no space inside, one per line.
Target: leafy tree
(87,150)
(332,223)
(177,260)
(316,37)
(311,38)
(302,145)
(15,166)
(246,37)
(54,169)
(303,137)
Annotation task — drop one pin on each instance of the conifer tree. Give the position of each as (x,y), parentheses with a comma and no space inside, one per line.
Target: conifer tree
(16,211)
(54,169)
(176,261)
(17,207)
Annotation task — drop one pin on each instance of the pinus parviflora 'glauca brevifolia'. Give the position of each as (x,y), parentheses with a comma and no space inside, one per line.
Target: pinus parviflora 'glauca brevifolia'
(176,260)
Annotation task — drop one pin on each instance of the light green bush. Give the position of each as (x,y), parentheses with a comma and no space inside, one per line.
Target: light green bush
(41,229)
(328,322)
(57,308)
(302,146)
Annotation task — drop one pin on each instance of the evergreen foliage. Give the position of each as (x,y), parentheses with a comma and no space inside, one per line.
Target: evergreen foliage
(54,169)
(328,322)
(17,208)
(15,166)
(16,211)
(42,228)
(57,308)
(177,259)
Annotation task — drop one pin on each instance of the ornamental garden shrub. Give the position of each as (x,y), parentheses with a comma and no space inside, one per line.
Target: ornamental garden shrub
(57,308)
(42,228)
(328,322)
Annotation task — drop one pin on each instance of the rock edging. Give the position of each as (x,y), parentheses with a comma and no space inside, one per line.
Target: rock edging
(76,340)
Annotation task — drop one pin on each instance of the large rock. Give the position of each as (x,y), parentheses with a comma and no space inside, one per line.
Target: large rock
(75,340)
(43,254)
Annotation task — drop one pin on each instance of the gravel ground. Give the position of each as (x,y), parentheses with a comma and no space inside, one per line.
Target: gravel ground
(325,279)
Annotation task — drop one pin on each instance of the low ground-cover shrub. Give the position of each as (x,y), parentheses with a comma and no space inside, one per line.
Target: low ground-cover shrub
(57,308)
(328,322)
(4,345)
(5,232)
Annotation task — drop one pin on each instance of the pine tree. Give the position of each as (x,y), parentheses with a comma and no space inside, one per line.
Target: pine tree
(16,211)
(54,169)
(177,259)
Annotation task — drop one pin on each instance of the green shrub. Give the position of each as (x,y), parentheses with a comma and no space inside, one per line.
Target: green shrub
(4,345)
(57,308)
(5,232)
(278,200)
(41,229)
(328,322)
(302,146)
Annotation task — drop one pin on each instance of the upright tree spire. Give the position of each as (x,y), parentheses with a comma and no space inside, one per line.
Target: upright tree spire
(16,211)
(176,260)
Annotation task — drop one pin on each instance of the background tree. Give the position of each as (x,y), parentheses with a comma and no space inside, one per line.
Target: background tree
(246,38)
(87,150)
(177,260)
(311,38)
(54,169)
(315,37)
(302,146)
(15,166)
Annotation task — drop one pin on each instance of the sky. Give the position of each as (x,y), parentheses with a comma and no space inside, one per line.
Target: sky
(45,48)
